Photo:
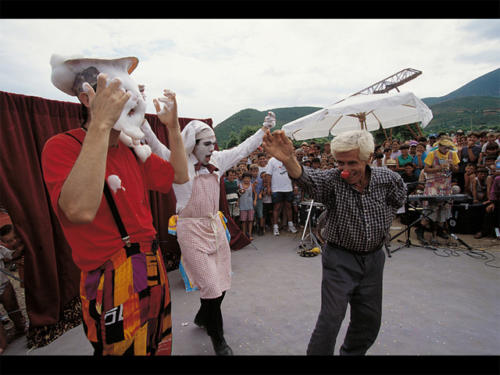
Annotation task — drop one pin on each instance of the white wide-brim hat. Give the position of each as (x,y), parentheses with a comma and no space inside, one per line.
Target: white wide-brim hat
(65,69)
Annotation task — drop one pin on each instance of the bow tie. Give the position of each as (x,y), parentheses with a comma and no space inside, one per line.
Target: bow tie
(211,168)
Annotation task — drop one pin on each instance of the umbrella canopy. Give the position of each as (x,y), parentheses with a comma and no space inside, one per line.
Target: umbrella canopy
(361,112)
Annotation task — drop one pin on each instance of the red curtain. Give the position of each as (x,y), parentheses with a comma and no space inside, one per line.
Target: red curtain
(51,277)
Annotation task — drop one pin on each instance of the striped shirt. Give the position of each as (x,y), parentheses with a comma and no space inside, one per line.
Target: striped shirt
(356,221)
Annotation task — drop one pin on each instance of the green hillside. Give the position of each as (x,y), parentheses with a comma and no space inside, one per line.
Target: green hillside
(478,112)
(475,105)
(252,117)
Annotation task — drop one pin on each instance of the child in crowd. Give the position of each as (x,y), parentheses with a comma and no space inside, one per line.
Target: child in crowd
(491,151)
(267,201)
(248,200)
(479,188)
(240,169)
(403,159)
(395,149)
(469,177)
(419,157)
(387,156)
(410,178)
(258,185)
(231,185)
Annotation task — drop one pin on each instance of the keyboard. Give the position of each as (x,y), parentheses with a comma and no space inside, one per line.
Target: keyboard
(422,197)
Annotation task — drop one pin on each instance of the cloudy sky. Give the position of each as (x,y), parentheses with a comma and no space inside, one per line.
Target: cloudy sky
(218,67)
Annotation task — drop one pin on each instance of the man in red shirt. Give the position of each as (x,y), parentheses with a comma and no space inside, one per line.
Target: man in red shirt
(123,287)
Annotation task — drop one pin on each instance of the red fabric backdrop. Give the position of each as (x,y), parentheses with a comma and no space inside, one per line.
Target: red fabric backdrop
(51,277)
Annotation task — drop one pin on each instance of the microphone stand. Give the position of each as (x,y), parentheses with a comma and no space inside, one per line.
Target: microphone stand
(408,242)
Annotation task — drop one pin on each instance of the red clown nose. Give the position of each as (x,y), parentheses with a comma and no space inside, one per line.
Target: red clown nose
(344,174)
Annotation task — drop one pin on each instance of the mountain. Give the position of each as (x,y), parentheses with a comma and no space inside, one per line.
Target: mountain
(476,104)
(486,85)
(253,117)
(480,112)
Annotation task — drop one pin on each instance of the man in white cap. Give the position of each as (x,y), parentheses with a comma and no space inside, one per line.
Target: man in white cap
(206,255)
(123,287)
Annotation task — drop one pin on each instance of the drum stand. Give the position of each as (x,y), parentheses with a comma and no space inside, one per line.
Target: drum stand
(311,237)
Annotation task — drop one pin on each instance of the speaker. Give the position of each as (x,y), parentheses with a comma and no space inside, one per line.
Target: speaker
(466,218)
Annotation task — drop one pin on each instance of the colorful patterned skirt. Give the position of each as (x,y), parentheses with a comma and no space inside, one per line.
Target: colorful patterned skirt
(126,304)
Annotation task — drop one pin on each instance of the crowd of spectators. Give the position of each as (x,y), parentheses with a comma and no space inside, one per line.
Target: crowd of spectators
(477,175)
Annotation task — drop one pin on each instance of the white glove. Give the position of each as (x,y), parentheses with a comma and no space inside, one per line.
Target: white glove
(269,120)
(167,102)
(142,90)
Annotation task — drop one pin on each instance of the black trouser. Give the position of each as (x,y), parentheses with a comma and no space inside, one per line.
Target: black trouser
(491,220)
(357,280)
(210,315)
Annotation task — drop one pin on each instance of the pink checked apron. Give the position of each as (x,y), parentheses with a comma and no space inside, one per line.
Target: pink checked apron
(206,255)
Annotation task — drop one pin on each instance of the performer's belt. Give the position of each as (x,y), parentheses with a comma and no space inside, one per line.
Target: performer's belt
(335,246)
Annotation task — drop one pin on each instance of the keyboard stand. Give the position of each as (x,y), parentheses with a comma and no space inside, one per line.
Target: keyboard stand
(408,242)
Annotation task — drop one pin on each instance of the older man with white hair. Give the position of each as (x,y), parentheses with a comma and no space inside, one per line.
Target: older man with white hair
(361,203)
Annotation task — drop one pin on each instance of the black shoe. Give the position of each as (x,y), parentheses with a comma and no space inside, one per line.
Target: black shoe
(199,322)
(221,347)
(441,233)
(420,234)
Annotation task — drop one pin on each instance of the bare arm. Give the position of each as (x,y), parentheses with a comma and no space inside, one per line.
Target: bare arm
(81,193)
(472,157)
(278,145)
(474,191)
(168,116)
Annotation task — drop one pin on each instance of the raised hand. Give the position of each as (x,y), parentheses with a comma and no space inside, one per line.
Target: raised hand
(269,120)
(107,102)
(278,145)
(168,112)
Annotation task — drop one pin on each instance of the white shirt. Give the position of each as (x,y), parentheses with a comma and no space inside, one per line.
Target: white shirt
(280,181)
(262,169)
(4,254)
(223,160)
(483,149)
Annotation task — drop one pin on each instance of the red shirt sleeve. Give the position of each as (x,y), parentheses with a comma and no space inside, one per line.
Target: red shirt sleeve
(159,174)
(58,158)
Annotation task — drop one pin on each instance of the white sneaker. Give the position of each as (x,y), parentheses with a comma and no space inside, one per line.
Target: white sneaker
(291,228)
(276,231)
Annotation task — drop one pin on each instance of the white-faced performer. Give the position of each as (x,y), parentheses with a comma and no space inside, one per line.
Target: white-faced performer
(205,249)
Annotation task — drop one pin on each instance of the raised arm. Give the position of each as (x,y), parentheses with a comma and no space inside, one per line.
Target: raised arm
(81,193)
(227,158)
(152,140)
(168,117)
(317,184)
(281,147)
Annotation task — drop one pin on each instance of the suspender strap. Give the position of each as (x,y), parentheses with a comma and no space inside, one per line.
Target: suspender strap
(114,209)
(116,215)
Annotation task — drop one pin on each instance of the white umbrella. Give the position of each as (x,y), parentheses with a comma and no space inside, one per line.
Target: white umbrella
(361,112)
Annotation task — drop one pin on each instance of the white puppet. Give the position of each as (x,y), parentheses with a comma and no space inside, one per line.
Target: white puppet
(201,235)
(86,70)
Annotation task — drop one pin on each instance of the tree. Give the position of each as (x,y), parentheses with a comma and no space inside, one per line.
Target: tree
(233,140)
(247,131)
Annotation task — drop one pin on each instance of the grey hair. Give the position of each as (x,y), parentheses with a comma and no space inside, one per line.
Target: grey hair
(361,140)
